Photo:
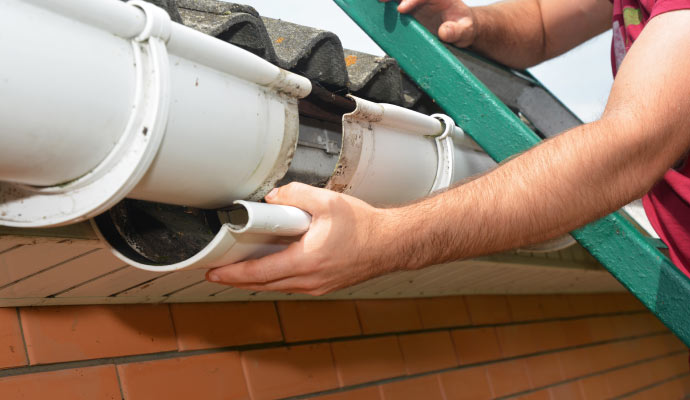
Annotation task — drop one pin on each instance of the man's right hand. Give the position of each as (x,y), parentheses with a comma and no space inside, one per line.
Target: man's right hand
(453,19)
(518,33)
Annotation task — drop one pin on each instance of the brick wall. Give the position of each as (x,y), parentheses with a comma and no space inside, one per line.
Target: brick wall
(472,347)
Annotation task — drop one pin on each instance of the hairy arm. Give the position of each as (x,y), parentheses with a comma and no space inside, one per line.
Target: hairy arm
(555,187)
(517,33)
(578,176)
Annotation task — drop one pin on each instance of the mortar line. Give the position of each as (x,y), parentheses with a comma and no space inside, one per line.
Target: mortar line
(21,332)
(182,354)
(444,370)
(655,384)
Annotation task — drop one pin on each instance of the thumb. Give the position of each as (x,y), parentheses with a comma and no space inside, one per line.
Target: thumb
(458,32)
(298,195)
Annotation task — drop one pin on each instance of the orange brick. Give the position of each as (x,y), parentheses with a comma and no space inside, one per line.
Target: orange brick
(443,312)
(673,343)
(94,383)
(604,356)
(549,335)
(289,371)
(427,388)
(517,340)
(567,391)
(208,376)
(583,304)
(55,334)
(668,367)
(525,308)
(486,310)
(540,395)
(556,306)
(638,324)
(667,390)
(601,329)
(309,320)
(508,377)
(652,323)
(12,352)
(594,388)
(531,338)
(427,351)
(369,393)
(210,325)
(606,303)
(685,382)
(377,316)
(627,325)
(627,302)
(643,348)
(576,332)
(632,351)
(466,384)
(626,380)
(544,370)
(476,345)
(575,363)
(368,360)
(680,362)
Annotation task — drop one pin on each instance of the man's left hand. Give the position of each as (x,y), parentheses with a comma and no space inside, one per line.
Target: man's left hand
(345,244)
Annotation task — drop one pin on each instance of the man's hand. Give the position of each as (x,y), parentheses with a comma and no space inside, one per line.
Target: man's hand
(346,243)
(453,19)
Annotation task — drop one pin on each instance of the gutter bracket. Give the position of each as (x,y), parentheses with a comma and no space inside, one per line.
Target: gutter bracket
(446,154)
(158,24)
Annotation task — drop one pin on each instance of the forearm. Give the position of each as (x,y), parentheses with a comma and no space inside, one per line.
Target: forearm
(573,178)
(550,190)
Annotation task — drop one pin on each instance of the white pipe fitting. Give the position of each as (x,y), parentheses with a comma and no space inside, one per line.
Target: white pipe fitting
(267,219)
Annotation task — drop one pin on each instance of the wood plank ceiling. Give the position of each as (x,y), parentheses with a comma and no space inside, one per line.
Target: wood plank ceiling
(70,266)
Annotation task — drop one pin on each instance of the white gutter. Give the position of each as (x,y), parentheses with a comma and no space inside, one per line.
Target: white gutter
(390,155)
(103,100)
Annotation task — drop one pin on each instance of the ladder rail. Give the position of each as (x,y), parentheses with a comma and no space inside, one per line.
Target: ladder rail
(612,240)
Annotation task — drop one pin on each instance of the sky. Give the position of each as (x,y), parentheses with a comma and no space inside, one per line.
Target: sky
(581,78)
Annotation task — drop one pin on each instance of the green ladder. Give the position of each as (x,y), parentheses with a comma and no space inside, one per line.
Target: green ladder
(612,240)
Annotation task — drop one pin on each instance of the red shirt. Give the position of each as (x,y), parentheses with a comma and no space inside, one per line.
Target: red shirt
(668,203)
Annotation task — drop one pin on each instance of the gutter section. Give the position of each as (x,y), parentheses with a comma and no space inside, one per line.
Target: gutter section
(134,105)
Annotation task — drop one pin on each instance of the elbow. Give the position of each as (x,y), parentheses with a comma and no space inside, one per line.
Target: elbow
(638,155)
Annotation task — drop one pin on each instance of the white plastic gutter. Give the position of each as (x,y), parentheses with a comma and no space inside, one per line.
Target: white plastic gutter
(102,100)
(391,155)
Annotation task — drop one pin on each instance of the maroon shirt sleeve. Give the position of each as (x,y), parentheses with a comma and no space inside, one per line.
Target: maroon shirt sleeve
(663,6)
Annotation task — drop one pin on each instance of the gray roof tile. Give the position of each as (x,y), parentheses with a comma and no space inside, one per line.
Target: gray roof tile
(313,53)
